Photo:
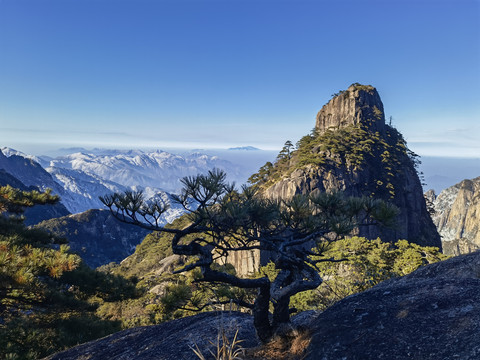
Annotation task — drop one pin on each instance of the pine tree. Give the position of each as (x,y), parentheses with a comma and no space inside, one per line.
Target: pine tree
(227,220)
(44,287)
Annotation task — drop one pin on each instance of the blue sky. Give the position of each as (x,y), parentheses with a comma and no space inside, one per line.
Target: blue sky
(232,73)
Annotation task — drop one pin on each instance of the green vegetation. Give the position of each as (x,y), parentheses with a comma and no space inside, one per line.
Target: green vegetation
(47,296)
(358,86)
(15,201)
(351,149)
(359,264)
(365,263)
(164,296)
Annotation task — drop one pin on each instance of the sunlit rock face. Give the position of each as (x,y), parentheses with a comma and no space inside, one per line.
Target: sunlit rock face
(457,217)
(359,104)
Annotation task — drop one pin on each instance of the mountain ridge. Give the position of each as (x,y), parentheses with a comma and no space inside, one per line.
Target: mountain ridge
(80,178)
(96,236)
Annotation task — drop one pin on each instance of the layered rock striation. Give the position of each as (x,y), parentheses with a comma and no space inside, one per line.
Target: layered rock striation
(353,150)
(457,217)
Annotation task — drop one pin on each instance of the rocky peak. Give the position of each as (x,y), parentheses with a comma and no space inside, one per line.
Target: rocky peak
(354,151)
(359,104)
(430,195)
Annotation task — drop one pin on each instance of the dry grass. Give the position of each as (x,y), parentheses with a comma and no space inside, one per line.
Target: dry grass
(226,349)
(291,347)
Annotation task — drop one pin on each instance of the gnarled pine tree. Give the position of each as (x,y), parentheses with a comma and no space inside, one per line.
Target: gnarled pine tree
(224,220)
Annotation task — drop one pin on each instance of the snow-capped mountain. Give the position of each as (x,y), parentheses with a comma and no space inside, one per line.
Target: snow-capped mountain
(80,178)
(156,169)
(42,160)
(81,191)
(26,169)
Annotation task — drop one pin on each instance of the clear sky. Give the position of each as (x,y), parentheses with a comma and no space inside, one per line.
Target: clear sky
(233,73)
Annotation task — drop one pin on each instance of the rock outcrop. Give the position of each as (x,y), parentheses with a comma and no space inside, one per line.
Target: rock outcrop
(96,236)
(457,217)
(353,150)
(173,340)
(358,105)
(432,313)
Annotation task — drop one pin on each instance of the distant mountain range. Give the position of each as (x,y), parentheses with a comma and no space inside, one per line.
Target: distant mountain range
(80,178)
(245,148)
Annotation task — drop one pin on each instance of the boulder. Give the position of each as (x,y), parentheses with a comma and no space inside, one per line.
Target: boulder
(172,340)
(433,313)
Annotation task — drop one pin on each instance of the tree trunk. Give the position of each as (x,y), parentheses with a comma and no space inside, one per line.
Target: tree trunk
(261,320)
(281,312)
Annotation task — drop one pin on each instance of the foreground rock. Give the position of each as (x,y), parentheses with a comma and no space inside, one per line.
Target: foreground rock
(434,313)
(168,341)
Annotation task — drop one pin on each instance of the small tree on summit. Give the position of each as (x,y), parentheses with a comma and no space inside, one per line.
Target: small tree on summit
(227,220)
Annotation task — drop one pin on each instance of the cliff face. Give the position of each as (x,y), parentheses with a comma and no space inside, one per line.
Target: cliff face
(359,104)
(353,150)
(457,217)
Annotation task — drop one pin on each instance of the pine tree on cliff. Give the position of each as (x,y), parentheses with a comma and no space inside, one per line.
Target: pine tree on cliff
(227,220)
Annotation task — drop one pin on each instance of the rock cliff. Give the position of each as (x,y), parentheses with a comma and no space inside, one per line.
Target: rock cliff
(457,217)
(353,150)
